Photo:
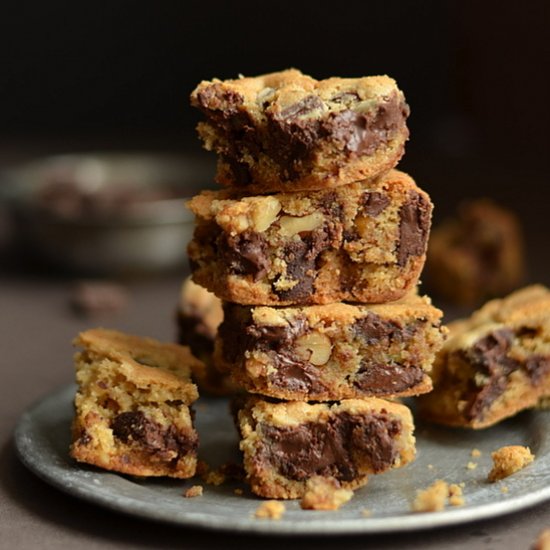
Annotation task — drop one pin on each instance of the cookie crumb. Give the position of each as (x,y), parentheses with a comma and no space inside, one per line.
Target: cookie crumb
(238,492)
(202,468)
(431,499)
(194,491)
(476,453)
(324,494)
(455,495)
(270,509)
(471,465)
(504,489)
(509,460)
(366,513)
(543,540)
(434,498)
(430,466)
(214,477)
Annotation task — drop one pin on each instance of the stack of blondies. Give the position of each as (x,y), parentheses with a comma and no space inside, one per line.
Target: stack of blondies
(315,247)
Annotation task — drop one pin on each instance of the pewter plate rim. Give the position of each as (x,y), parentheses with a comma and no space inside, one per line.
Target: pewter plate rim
(42,435)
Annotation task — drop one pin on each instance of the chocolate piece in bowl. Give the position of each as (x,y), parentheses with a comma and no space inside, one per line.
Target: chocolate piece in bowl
(363,242)
(286,131)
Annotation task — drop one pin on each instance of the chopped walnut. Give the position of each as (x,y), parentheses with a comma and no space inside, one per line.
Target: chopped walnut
(270,509)
(509,460)
(324,494)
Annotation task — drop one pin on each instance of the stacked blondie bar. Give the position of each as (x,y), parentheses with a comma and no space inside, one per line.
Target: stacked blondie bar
(315,246)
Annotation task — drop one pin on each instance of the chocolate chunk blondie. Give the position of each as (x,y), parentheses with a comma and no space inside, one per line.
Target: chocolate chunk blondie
(477,255)
(494,364)
(286,444)
(132,405)
(362,242)
(286,131)
(198,316)
(332,351)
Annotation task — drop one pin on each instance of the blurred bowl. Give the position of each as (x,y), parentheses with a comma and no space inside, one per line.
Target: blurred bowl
(105,213)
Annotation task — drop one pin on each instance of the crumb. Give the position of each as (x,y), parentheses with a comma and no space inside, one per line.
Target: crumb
(430,466)
(238,492)
(471,465)
(431,499)
(543,540)
(504,489)
(462,484)
(476,453)
(509,460)
(455,495)
(366,513)
(92,298)
(324,494)
(270,509)
(194,491)
(214,477)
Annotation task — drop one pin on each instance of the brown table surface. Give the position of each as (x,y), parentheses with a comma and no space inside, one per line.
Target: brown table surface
(36,328)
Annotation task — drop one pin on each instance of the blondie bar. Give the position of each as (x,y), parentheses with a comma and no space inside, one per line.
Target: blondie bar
(286,131)
(494,364)
(285,444)
(132,410)
(362,242)
(332,351)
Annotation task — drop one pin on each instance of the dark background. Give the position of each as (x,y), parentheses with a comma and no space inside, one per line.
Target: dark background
(118,74)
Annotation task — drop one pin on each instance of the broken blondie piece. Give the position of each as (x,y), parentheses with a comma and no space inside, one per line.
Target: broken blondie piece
(286,131)
(494,364)
(132,405)
(477,255)
(287,443)
(332,351)
(363,242)
(509,460)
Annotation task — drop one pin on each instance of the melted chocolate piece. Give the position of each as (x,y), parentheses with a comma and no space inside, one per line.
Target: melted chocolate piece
(387,379)
(489,357)
(300,257)
(376,331)
(329,449)
(295,376)
(244,254)
(374,203)
(414,227)
(135,426)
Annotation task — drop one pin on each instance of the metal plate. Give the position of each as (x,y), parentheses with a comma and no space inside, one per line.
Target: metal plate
(42,440)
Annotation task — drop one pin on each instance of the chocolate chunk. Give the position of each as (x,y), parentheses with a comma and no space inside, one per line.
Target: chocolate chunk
(387,379)
(217,101)
(328,449)
(303,107)
(376,331)
(136,427)
(300,257)
(295,376)
(488,356)
(362,133)
(374,203)
(245,253)
(537,367)
(414,227)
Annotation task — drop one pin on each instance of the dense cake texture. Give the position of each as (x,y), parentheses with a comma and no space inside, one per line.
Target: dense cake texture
(286,131)
(363,242)
(494,364)
(198,316)
(477,255)
(132,405)
(286,444)
(333,351)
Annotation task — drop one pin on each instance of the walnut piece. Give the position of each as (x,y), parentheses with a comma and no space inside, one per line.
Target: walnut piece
(314,347)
